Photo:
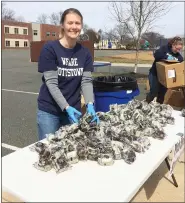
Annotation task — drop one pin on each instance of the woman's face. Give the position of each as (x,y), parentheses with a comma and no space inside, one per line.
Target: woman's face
(176,48)
(72,25)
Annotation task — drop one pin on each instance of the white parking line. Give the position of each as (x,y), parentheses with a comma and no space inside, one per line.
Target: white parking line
(20,91)
(7,146)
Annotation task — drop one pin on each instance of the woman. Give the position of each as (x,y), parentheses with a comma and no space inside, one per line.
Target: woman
(66,66)
(171,51)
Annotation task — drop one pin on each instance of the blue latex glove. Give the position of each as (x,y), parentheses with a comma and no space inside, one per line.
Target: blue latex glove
(73,114)
(91,111)
(170,57)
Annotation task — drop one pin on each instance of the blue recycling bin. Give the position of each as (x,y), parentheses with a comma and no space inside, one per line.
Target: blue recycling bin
(112,90)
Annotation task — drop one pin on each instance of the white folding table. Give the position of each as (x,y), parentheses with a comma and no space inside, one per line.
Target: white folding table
(86,181)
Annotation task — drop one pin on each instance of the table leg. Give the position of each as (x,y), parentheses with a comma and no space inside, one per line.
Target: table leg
(173,177)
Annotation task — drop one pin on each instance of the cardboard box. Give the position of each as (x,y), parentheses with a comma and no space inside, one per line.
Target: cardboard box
(175,97)
(170,74)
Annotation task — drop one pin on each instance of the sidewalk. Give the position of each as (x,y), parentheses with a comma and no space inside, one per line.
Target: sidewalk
(131,65)
(126,64)
(121,68)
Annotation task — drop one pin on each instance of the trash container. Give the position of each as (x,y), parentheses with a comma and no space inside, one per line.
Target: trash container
(113,90)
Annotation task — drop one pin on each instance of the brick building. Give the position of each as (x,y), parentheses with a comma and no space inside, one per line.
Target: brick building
(19,35)
(49,32)
(44,32)
(15,34)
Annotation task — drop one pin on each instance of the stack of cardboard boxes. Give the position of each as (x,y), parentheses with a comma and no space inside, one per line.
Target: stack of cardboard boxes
(171,74)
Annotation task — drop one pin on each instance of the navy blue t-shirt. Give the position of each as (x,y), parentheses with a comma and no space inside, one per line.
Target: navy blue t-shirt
(70,65)
(163,53)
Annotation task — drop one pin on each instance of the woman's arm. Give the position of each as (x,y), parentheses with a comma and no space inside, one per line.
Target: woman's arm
(160,54)
(48,66)
(180,58)
(51,79)
(87,82)
(87,87)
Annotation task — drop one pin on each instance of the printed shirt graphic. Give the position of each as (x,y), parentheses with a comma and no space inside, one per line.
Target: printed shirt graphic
(70,65)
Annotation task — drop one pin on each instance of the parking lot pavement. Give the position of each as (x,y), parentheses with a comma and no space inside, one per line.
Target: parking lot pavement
(19,118)
(5,151)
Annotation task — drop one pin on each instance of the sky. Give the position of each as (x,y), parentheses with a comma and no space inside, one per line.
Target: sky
(97,15)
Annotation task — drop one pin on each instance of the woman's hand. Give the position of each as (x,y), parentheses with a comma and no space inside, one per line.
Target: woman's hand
(91,111)
(73,114)
(170,57)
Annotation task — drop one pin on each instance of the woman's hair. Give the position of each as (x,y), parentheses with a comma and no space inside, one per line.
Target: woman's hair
(69,10)
(176,40)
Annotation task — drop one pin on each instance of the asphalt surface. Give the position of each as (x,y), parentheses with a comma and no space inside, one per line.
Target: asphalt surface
(19,109)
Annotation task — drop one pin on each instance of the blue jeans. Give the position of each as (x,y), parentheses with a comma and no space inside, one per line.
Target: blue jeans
(156,89)
(49,123)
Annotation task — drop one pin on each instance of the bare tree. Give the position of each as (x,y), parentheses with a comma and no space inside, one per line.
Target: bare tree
(85,27)
(55,18)
(123,34)
(100,32)
(7,14)
(93,36)
(138,17)
(103,35)
(111,34)
(43,19)
(120,33)
(153,38)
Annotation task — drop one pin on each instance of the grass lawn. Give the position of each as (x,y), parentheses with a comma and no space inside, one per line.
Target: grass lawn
(145,57)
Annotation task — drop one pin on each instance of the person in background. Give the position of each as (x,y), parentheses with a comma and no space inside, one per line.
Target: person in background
(171,51)
(67,71)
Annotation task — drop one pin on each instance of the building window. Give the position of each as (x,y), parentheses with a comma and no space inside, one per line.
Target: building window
(25,31)
(53,34)
(25,43)
(47,34)
(7,43)
(16,30)
(16,43)
(35,32)
(7,30)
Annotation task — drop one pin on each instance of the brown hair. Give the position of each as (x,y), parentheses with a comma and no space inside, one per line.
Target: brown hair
(67,11)
(176,40)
